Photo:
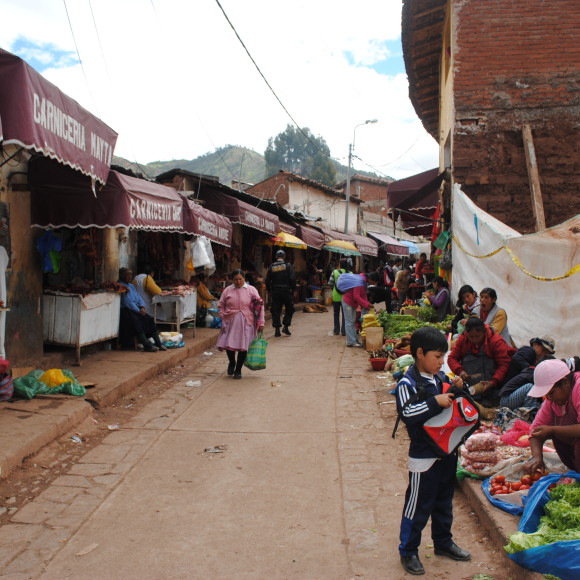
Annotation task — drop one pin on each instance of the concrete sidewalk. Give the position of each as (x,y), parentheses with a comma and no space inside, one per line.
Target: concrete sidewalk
(26,426)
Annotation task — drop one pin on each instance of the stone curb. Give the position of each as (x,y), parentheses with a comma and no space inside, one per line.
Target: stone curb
(498,524)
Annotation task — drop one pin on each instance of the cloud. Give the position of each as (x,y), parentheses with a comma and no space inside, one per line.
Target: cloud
(173,79)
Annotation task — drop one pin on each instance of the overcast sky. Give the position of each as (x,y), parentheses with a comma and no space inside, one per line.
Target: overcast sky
(172,78)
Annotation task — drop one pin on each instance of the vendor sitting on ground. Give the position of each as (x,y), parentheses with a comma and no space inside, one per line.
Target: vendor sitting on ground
(134,320)
(493,315)
(467,305)
(520,376)
(480,355)
(559,416)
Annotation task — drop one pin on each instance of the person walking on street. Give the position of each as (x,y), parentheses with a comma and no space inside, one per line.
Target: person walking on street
(351,300)
(240,325)
(280,283)
(337,298)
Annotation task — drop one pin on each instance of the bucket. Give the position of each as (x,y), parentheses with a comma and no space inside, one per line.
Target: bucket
(327,296)
(375,338)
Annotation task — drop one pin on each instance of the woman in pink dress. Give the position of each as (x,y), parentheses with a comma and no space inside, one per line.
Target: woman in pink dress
(242,313)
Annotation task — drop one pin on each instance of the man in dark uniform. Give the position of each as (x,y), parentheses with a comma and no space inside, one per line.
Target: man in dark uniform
(280,283)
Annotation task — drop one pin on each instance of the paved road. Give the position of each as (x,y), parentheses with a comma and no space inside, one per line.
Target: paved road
(309,485)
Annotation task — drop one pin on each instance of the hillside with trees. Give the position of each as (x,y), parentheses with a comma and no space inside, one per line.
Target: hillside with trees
(229,163)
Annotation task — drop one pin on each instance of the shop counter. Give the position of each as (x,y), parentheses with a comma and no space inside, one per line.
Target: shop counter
(175,310)
(76,320)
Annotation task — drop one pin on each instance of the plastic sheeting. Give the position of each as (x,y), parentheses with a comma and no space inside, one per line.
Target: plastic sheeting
(536,276)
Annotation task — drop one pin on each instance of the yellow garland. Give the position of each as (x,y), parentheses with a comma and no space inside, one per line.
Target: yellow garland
(518,263)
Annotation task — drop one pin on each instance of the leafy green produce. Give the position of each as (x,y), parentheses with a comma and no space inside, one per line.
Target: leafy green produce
(561,521)
(427,314)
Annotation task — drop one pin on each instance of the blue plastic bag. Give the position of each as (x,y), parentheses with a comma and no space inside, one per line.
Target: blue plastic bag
(510,508)
(560,559)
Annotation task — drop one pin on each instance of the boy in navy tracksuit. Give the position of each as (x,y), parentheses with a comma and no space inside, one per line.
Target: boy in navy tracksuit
(431,479)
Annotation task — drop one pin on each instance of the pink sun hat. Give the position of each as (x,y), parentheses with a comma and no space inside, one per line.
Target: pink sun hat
(546,375)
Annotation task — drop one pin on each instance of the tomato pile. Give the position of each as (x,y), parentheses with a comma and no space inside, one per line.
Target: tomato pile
(499,485)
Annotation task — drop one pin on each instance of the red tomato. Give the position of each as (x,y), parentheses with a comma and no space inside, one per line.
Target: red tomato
(536,476)
(493,491)
(500,492)
(524,486)
(516,485)
(500,479)
(526,480)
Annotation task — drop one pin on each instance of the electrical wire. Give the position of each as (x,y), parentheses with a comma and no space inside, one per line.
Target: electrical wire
(79,56)
(268,84)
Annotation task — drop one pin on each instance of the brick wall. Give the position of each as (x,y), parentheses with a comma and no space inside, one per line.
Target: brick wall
(517,62)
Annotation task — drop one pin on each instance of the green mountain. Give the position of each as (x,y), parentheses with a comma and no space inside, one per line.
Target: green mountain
(229,163)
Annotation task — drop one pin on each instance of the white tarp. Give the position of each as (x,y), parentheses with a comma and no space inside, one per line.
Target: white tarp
(536,276)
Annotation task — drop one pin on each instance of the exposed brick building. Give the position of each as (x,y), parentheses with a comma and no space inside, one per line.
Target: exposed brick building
(479,72)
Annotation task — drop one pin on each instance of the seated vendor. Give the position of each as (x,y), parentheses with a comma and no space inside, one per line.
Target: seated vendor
(480,355)
(134,320)
(493,315)
(467,305)
(519,379)
(204,300)
(146,287)
(559,416)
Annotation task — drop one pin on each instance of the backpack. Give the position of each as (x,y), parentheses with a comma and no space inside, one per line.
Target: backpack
(347,280)
(452,426)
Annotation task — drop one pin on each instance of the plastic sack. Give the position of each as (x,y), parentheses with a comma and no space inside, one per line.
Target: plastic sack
(256,357)
(53,378)
(199,255)
(403,361)
(561,559)
(518,435)
(347,281)
(30,385)
(171,344)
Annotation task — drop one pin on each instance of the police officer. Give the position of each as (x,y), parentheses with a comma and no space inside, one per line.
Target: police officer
(280,283)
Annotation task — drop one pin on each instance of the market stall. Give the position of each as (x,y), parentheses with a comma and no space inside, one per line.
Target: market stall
(78,320)
(175,308)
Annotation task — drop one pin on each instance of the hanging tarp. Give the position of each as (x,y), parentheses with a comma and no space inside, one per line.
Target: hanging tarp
(331,235)
(390,244)
(312,237)
(414,199)
(61,197)
(365,245)
(240,212)
(536,276)
(200,221)
(37,115)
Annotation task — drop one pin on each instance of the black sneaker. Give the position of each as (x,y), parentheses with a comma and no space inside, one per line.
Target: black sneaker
(412,565)
(150,348)
(237,375)
(277,333)
(286,331)
(231,368)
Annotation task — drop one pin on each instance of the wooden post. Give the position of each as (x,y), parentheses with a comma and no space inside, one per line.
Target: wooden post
(534,177)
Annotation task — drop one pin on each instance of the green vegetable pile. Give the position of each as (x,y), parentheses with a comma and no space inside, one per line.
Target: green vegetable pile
(427,314)
(399,325)
(561,521)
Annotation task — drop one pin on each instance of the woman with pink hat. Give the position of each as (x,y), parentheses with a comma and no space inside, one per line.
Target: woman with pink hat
(559,416)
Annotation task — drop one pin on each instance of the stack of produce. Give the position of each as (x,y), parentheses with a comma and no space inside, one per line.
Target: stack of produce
(369,320)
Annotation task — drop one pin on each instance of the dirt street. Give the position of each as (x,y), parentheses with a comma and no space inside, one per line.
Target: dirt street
(289,473)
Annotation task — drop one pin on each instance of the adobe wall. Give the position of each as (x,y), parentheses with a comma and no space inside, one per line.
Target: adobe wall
(517,63)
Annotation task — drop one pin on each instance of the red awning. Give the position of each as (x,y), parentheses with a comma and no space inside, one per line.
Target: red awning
(312,238)
(287,228)
(35,114)
(62,197)
(240,212)
(390,244)
(331,235)
(416,199)
(200,221)
(366,245)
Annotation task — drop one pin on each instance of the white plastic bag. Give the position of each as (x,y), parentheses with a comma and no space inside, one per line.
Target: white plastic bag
(199,255)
